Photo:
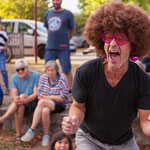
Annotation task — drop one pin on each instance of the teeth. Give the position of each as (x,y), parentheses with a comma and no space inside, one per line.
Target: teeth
(114,52)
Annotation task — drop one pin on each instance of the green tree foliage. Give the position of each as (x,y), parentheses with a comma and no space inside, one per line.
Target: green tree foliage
(145,4)
(89,6)
(80,21)
(23,9)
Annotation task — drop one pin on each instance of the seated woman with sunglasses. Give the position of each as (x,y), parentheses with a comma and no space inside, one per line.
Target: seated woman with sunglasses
(53,92)
(108,92)
(24,94)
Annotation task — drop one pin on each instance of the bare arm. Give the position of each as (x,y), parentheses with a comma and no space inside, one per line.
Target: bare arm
(56,98)
(71,123)
(14,94)
(15,97)
(5,48)
(31,97)
(144,116)
(77,109)
(23,98)
(72,33)
(6,43)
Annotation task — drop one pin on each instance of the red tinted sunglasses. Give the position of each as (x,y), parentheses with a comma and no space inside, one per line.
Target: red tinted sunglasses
(120,38)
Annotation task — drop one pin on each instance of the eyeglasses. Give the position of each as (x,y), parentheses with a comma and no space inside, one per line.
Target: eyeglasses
(22,69)
(120,38)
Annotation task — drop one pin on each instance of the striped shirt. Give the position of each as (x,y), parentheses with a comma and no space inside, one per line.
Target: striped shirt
(3,38)
(58,87)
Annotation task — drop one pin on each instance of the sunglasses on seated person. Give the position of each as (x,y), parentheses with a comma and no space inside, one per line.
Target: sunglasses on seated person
(22,69)
(120,38)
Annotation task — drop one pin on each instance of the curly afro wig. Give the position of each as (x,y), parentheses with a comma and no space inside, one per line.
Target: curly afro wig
(118,17)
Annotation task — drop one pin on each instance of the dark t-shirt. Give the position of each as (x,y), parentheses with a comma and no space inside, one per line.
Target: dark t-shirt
(110,110)
(59,25)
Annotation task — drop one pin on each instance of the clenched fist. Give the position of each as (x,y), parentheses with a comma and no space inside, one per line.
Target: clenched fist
(70,125)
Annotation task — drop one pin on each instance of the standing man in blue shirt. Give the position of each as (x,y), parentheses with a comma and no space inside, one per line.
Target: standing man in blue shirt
(60,24)
(3,48)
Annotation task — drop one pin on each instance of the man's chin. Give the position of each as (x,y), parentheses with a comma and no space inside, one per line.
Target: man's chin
(22,76)
(57,8)
(114,64)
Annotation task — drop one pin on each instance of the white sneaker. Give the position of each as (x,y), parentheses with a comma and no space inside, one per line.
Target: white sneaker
(45,140)
(28,136)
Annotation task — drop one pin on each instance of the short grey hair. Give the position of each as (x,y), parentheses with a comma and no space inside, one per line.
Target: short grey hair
(53,64)
(20,62)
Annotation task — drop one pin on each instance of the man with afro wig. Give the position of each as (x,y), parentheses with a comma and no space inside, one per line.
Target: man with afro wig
(110,90)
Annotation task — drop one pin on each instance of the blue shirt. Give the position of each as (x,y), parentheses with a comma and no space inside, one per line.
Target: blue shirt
(59,25)
(25,86)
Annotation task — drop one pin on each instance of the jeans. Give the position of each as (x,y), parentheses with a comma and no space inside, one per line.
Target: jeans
(3,69)
(85,142)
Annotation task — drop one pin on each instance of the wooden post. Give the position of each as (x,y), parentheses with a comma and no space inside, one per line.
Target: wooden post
(35,14)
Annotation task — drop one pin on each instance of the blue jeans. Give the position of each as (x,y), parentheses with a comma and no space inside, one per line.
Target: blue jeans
(3,69)
(1,95)
(63,55)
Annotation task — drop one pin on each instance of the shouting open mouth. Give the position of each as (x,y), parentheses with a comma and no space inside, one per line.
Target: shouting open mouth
(115,56)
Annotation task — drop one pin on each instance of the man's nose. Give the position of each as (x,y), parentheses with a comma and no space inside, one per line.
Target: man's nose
(113,42)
